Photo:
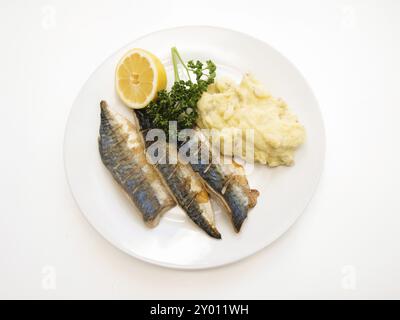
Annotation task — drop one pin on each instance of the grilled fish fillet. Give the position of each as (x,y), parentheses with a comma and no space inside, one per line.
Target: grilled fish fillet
(122,151)
(227,181)
(186,186)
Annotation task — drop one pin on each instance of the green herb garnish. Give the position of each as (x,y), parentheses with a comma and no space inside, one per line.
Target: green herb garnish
(180,103)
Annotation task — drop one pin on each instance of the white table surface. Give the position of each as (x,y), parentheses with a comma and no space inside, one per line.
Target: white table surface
(346,245)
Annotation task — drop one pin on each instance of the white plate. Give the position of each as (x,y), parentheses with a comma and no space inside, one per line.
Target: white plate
(177,242)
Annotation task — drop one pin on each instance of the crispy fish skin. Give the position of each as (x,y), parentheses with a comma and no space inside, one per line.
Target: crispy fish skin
(228,182)
(191,195)
(186,186)
(122,152)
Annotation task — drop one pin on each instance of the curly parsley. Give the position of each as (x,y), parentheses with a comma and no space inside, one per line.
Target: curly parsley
(180,103)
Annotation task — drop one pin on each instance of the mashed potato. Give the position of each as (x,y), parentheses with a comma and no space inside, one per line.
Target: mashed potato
(228,108)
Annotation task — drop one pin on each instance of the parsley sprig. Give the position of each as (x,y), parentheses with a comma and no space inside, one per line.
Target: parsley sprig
(180,103)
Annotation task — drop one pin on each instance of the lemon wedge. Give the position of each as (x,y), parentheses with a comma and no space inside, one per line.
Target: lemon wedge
(138,78)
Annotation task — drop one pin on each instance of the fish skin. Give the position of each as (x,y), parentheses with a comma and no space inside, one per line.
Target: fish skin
(186,186)
(191,195)
(121,149)
(228,182)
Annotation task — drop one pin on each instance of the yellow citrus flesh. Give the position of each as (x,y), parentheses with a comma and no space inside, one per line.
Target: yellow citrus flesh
(138,78)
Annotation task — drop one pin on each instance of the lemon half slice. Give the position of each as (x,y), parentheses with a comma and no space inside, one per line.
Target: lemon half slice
(138,78)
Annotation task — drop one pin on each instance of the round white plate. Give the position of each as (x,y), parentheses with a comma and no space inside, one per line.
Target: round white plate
(177,242)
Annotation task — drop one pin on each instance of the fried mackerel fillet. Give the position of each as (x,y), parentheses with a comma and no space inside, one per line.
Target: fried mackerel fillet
(227,181)
(122,151)
(186,186)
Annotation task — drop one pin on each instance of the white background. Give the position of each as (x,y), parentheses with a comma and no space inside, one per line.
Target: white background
(346,245)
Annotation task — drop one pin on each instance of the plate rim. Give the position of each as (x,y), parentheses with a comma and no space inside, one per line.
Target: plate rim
(195,267)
